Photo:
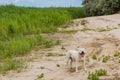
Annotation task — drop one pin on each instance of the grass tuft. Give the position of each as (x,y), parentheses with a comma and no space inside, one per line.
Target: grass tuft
(95,75)
(39,77)
(94,57)
(105,59)
(11,64)
(117,54)
(69,31)
(58,65)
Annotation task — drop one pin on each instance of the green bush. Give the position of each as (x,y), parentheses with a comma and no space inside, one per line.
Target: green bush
(106,58)
(117,54)
(94,57)
(101,7)
(39,77)
(95,75)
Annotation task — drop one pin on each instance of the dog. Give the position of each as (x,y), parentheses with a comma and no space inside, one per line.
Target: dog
(75,56)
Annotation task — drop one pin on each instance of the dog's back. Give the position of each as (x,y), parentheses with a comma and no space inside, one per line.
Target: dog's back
(72,54)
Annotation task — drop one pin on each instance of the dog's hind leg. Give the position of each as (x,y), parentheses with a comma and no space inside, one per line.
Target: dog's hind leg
(71,61)
(66,61)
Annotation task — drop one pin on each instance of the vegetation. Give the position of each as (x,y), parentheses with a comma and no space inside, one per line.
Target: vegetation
(94,57)
(119,61)
(58,65)
(50,43)
(11,64)
(68,31)
(86,29)
(39,77)
(83,22)
(20,29)
(19,46)
(42,67)
(95,75)
(16,21)
(106,58)
(117,54)
(101,7)
(106,29)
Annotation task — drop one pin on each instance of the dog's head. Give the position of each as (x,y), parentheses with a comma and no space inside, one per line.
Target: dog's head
(81,51)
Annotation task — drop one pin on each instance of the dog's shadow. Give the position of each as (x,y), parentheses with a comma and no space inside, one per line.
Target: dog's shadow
(73,69)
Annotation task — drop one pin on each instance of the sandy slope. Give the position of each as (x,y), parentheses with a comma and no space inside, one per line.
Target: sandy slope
(105,42)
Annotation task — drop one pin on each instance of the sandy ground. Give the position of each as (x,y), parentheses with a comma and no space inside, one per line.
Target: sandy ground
(103,37)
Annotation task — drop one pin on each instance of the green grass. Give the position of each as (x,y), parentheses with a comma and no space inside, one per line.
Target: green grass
(21,20)
(39,77)
(68,31)
(95,75)
(85,29)
(11,64)
(94,57)
(117,54)
(118,61)
(105,59)
(106,29)
(50,43)
(83,22)
(19,46)
(42,67)
(58,65)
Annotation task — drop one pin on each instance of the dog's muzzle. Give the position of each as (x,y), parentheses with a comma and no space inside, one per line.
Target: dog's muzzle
(82,54)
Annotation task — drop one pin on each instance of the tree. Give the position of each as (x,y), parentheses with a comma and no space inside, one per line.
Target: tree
(101,7)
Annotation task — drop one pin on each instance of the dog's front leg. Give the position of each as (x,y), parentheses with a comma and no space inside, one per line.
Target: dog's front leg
(71,63)
(76,66)
(84,63)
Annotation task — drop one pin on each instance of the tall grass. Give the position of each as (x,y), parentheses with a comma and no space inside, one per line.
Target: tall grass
(18,46)
(17,20)
(12,64)
(20,20)
(20,27)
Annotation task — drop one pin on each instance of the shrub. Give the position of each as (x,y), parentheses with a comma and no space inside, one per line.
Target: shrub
(58,65)
(101,7)
(95,75)
(117,54)
(94,57)
(106,58)
(39,77)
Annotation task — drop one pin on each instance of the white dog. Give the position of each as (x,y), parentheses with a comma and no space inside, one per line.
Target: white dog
(75,56)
